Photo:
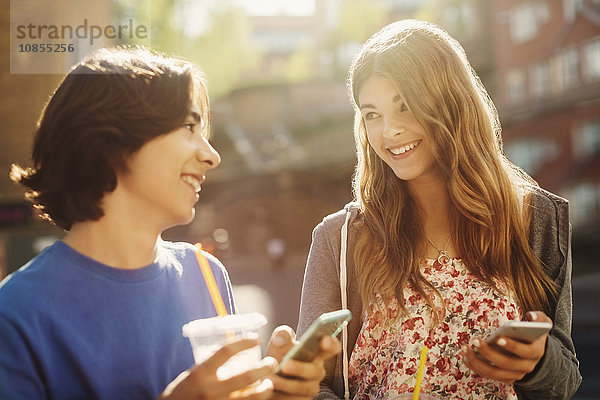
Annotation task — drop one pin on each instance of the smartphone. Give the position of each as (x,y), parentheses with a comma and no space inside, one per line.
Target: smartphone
(523,331)
(306,349)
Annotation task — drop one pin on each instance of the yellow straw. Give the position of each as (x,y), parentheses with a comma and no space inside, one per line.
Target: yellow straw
(209,278)
(420,372)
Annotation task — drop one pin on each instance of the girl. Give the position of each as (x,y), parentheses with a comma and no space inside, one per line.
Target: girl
(446,240)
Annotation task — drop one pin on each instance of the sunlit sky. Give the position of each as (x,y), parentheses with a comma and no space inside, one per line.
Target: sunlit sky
(194,15)
(278,7)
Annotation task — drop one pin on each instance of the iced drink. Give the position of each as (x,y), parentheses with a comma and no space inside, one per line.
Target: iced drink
(210,334)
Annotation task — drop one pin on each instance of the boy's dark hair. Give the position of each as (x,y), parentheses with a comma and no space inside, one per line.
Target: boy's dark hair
(105,109)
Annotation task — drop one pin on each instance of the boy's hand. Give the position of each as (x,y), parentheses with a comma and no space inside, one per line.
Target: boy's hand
(301,380)
(511,360)
(201,381)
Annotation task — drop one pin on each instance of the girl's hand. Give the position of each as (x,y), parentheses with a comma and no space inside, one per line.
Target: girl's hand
(508,360)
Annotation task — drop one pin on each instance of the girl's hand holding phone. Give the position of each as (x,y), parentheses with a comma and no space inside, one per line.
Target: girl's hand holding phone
(505,359)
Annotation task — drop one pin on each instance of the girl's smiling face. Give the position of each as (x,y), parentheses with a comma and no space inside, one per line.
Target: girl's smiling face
(393,132)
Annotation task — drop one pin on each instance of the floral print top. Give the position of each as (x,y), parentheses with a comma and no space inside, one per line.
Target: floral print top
(385,358)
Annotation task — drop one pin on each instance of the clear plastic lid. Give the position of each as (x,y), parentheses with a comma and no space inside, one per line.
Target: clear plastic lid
(216,325)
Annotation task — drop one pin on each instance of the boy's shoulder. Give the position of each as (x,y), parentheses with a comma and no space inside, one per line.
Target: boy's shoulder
(28,285)
(37,267)
(184,251)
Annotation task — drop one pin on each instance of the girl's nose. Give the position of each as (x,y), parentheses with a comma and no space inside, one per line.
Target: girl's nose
(392,128)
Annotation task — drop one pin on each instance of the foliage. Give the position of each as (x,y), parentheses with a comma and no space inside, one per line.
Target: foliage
(360,19)
(216,35)
(222,49)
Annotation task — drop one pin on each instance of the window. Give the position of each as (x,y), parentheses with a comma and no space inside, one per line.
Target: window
(539,78)
(459,19)
(515,84)
(591,63)
(526,19)
(571,8)
(568,61)
(586,139)
(531,153)
(585,206)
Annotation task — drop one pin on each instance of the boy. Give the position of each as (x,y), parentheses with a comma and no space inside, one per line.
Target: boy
(120,155)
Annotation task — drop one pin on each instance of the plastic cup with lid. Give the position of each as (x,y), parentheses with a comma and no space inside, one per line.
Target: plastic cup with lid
(208,335)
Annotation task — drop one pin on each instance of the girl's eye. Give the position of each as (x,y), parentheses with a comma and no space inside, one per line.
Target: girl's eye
(190,126)
(370,116)
(403,107)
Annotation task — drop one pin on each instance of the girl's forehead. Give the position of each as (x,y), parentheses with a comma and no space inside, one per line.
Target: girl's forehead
(379,87)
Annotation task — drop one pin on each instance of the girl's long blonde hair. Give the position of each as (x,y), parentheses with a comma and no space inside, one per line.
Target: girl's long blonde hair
(490,232)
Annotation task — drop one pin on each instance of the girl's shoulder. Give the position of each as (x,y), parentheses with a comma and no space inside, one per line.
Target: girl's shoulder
(334,221)
(549,229)
(545,198)
(547,208)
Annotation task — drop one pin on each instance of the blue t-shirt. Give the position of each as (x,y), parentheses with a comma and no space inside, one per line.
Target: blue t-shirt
(73,328)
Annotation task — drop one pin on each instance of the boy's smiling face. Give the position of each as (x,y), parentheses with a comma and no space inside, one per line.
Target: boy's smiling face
(165,175)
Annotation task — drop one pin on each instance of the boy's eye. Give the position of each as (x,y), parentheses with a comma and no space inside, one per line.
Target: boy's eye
(190,126)
(403,107)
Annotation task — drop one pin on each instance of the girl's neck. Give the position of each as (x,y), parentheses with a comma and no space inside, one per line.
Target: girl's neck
(434,201)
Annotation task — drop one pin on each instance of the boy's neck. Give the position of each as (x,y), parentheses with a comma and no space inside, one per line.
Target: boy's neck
(114,244)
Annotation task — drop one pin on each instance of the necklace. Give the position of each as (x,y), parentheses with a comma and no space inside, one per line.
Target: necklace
(443,257)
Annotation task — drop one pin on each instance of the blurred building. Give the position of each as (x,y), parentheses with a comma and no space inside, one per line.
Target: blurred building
(547,57)
(468,21)
(278,37)
(289,43)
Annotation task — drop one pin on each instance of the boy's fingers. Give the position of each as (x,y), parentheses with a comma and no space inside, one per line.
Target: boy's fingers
(226,352)
(282,340)
(247,378)
(262,391)
(308,371)
(296,387)
(329,347)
